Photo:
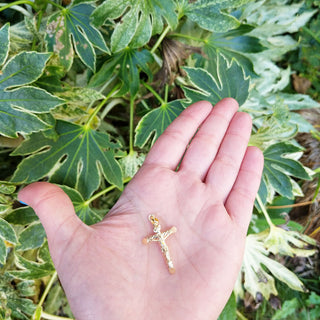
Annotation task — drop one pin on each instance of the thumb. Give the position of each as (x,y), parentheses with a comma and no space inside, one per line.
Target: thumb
(54,209)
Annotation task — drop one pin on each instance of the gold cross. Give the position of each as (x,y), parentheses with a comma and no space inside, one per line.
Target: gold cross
(161,237)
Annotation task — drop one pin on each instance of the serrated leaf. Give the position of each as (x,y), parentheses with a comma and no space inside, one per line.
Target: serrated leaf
(32,270)
(82,208)
(140,19)
(7,233)
(156,121)
(229,82)
(209,14)
(4,40)
(277,168)
(74,23)
(76,159)
(256,278)
(31,237)
(19,106)
(233,45)
(286,242)
(130,62)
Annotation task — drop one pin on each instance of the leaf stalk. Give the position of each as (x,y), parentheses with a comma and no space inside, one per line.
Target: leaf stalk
(264,211)
(97,109)
(30,3)
(160,39)
(104,191)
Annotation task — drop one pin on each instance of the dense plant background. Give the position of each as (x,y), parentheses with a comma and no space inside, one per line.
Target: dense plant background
(86,87)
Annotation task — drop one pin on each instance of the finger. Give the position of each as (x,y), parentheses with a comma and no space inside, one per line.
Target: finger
(204,146)
(240,201)
(54,209)
(171,145)
(225,167)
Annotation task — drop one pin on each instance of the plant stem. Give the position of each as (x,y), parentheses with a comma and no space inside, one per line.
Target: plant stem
(87,125)
(264,211)
(30,3)
(240,315)
(131,125)
(163,34)
(154,93)
(310,33)
(48,316)
(180,35)
(48,287)
(56,5)
(166,93)
(38,28)
(102,192)
(294,205)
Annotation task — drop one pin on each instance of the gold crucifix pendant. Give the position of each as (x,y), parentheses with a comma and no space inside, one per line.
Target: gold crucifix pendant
(161,237)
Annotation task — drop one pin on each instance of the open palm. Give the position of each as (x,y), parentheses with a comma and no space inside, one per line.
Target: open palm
(106,270)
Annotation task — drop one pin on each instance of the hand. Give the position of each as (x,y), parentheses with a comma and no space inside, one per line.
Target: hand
(106,270)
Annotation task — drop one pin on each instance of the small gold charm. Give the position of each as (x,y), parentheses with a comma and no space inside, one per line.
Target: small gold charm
(161,237)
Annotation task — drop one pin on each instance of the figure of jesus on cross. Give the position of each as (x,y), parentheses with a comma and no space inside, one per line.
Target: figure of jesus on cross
(161,237)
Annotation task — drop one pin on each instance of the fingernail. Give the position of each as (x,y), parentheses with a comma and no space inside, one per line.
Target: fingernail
(22,202)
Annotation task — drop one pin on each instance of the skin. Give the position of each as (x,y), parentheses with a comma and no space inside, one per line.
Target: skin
(106,270)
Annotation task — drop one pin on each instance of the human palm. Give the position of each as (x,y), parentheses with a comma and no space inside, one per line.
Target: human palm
(106,270)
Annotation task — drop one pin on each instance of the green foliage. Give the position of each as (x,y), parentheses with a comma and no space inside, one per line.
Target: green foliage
(76,113)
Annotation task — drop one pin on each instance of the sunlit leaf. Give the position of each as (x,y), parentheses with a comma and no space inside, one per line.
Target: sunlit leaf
(77,158)
(286,242)
(74,23)
(20,106)
(256,278)
(156,121)
(230,82)
(131,163)
(4,40)
(210,15)
(140,19)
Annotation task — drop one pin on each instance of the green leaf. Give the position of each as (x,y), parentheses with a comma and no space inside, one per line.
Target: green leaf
(32,237)
(76,159)
(74,23)
(22,216)
(278,167)
(19,106)
(229,82)
(288,308)
(32,270)
(156,121)
(13,299)
(7,233)
(5,41)
(130,63)
(140,19)
(233,45)
(82,208)
(210,16)
(7,187)
(229,312)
